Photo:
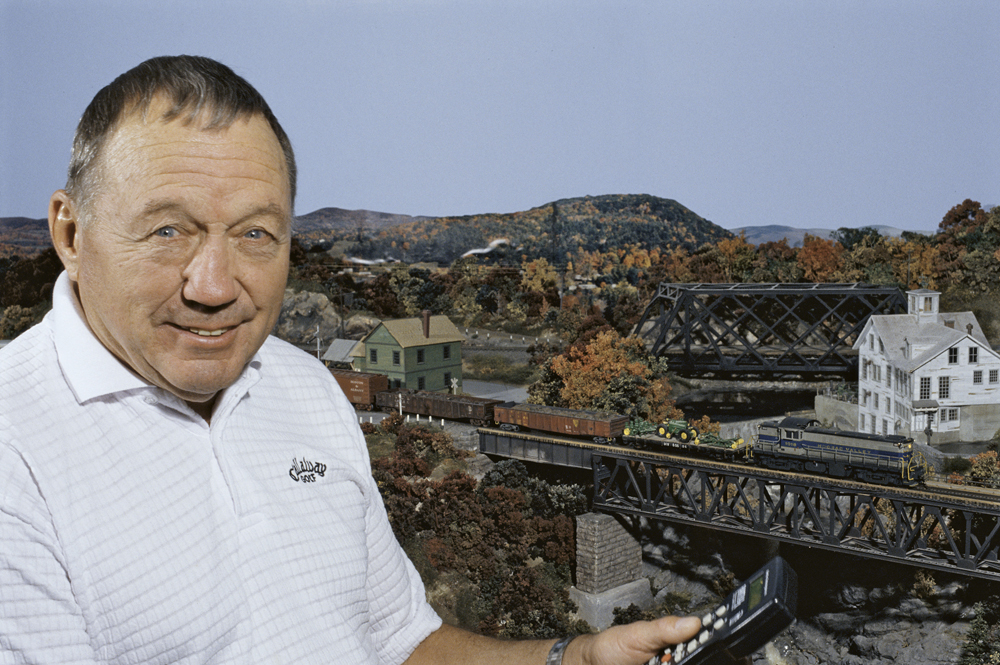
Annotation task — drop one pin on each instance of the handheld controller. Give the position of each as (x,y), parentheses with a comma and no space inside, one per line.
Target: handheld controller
(754,612)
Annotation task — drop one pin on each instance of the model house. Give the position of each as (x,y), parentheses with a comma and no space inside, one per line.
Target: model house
(927,371)
(422,353)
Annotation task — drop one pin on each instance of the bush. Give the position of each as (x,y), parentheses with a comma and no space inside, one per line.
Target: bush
(391,423)
(956,464)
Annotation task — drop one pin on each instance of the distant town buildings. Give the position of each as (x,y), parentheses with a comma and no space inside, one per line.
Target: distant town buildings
(925,370)
(422,353)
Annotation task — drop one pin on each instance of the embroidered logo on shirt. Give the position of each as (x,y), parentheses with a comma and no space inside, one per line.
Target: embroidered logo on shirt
(306,471)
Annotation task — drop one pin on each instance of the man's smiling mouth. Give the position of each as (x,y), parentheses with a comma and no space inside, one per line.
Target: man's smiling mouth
(208,333)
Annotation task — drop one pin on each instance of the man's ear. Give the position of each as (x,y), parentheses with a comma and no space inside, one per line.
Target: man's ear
(64,227)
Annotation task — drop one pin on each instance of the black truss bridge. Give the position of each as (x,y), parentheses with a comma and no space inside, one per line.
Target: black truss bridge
(939,529)
(769,330)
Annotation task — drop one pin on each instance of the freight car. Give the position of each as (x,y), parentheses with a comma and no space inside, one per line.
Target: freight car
(801,444)
(600,426)
(476,410)
(680,436)
(360,387)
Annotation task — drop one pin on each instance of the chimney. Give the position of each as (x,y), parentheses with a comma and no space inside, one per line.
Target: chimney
(968,329)
(427,322)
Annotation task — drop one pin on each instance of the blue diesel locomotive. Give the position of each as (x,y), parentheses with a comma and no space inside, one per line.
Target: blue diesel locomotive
(801,444)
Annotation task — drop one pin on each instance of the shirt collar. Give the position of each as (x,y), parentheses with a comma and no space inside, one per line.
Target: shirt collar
(91,370)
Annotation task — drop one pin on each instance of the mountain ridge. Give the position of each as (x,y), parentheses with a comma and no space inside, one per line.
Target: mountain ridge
(587,222)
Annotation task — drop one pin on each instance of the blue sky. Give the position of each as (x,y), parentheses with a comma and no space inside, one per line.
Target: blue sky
(807,114)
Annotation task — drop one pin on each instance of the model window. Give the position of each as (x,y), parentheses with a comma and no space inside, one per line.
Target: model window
(871,342)
(861,423)
(395,357)
(446,351)
(396,383)
(420,356)
(373,356)
(977,377)
(952,356)
(994,376)
(875,401)
(944,387)
(864,370)
(973,355)
(881,346)
(925,387)
(888,405)
(447,380)
(885,427)
(952,414)
(888,376)
(421,383)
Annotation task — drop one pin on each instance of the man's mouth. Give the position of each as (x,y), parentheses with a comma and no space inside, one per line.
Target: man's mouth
(208,333)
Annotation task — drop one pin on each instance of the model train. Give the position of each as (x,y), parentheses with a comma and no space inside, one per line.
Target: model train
(793,443)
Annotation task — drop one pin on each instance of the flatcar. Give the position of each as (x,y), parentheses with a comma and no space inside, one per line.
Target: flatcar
(599,426)
(681,436)
(801,444)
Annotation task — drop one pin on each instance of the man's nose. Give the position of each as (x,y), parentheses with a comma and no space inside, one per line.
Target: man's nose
(209,278)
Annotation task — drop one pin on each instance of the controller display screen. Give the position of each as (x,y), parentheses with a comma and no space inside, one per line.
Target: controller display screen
(755,592)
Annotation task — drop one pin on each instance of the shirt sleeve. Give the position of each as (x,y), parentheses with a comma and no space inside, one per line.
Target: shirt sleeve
(40,620)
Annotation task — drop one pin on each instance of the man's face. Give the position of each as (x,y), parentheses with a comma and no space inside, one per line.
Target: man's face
(181,267)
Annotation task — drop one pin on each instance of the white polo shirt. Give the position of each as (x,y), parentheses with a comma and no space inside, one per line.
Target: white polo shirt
(133,532)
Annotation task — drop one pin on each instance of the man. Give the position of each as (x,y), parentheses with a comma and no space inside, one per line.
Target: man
(151,432)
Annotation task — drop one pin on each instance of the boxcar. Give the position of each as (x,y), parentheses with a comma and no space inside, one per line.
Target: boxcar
(601,426)
(476,410)
(360,387)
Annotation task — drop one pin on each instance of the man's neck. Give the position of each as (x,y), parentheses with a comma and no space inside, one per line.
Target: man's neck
(204,409)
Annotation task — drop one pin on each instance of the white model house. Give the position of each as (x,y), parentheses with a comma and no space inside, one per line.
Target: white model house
(927,369)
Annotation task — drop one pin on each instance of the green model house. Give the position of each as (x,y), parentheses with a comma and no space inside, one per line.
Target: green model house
(419,354)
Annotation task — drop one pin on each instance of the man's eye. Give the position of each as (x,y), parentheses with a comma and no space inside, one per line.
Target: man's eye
(166,232)
(255,234)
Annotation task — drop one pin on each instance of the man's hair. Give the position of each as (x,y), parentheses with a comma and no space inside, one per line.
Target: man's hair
(193,85)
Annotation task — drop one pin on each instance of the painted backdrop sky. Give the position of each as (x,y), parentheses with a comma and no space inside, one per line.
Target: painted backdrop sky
(808,114)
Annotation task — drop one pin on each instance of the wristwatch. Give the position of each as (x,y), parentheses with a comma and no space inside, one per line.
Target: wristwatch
(558,649)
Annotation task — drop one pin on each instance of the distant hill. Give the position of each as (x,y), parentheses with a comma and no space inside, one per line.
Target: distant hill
(756,235)
(591,223)
(318,224)
(23,236)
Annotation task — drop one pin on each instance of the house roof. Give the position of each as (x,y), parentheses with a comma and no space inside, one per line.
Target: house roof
(410,332)
(340,350)
(932,338)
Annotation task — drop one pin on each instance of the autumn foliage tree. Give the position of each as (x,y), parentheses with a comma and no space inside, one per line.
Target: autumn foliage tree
(613,373)
(819,258)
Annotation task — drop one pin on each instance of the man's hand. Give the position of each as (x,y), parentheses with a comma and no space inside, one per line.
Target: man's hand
(633,644)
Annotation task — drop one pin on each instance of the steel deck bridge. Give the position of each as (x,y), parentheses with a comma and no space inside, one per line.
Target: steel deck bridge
(764,329)
(945,528)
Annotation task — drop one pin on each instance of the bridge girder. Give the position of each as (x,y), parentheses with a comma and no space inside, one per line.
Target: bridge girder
(764,329)
(888,524)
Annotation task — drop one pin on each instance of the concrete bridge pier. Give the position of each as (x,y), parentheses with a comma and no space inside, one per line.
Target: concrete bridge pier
(608,570)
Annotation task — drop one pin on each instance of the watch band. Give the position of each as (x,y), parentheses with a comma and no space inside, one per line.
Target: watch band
(558,649)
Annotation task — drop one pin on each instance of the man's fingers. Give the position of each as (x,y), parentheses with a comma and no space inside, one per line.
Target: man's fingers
(637,642)
(671,630)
